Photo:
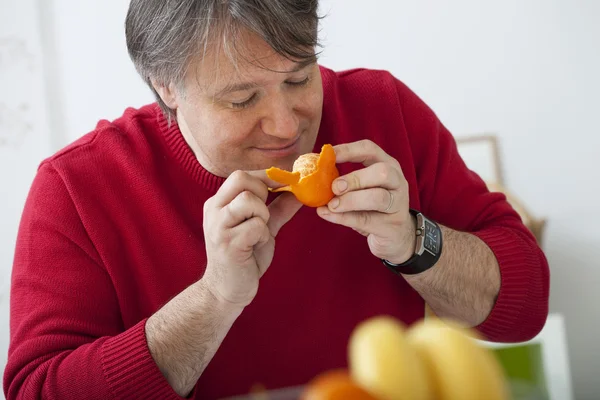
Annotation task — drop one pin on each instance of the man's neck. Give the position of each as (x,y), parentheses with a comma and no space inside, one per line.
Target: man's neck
(193,144)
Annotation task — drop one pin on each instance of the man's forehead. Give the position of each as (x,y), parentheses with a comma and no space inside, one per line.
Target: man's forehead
(227,75)
(242,58)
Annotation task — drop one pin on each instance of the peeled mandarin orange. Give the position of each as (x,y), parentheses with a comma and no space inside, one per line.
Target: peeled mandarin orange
(334,385)
(311,177)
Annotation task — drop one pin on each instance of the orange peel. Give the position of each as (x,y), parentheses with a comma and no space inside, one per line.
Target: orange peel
(311,177)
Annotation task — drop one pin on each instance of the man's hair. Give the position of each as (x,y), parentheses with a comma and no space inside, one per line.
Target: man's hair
(164,36)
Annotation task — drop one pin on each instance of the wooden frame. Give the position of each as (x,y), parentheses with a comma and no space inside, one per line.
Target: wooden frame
(481,153)
(487,142)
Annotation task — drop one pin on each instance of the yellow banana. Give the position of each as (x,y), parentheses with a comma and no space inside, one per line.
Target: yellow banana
(382,361)
(459,368)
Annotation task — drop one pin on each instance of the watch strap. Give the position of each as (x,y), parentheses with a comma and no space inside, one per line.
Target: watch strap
(422,259)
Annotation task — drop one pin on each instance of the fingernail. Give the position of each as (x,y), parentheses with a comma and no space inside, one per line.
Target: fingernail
(334,203)
(341,185)
(323,211)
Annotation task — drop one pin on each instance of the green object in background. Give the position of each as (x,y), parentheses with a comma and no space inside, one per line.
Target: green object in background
(524,369)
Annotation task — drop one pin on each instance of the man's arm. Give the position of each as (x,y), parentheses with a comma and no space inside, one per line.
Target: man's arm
(239,230)
(458,198)
(67,339)
(493,276)
(185,334)
(464,283)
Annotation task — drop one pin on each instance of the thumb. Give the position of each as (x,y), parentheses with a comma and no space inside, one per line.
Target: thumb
(282,209)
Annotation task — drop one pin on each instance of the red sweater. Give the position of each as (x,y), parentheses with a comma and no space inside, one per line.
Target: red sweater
(112,229)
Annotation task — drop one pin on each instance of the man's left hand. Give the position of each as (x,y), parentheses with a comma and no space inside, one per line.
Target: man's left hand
(373,201)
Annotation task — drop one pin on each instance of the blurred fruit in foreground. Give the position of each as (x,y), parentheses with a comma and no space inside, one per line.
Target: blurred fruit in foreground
(458,367)
(383,362)
(335,385)
(432,360)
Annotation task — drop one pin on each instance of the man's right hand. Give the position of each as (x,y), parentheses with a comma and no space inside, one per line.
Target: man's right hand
(240,230)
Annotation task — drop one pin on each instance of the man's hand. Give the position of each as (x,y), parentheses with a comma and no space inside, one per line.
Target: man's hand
(240,231)
(373,201)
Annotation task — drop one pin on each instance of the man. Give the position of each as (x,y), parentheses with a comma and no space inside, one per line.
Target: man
(141,264)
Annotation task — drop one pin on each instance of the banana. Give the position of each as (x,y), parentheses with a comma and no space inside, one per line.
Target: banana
(383,362)
(459,368)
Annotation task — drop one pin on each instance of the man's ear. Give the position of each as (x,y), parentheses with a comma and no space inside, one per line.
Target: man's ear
(166,93)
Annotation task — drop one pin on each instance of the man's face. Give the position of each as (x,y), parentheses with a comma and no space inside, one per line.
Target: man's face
(263,111)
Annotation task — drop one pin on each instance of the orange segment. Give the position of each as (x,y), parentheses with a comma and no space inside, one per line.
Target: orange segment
(311,178)
(306,164)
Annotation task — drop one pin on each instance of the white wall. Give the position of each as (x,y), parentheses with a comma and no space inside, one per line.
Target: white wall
(527,70)
(24,133)
(98,78)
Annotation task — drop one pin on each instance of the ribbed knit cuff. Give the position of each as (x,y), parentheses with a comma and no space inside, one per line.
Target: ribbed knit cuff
(130,369)
(519,307)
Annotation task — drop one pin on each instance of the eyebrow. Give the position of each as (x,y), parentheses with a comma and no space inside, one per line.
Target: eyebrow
(238,87)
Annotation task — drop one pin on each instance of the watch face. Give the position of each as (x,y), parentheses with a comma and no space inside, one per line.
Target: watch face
(432,238)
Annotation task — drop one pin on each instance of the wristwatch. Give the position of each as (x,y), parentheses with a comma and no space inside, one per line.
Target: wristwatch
(428,247)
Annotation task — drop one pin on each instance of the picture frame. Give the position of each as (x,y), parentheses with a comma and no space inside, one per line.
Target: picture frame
(481,153)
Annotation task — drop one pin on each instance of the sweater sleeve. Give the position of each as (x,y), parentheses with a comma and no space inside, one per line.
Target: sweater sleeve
(459,199)
(67,339)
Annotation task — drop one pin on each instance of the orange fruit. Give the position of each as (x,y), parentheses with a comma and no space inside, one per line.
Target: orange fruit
(334,385)
(311,177)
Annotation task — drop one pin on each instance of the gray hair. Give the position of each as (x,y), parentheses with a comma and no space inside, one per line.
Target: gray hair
(163,36)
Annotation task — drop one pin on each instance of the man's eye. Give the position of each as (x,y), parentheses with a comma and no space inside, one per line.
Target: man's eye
(303,82)
(245,103)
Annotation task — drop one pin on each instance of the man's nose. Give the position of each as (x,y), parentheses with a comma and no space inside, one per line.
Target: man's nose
(280,121)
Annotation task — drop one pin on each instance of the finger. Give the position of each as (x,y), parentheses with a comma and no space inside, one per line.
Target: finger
(261,175)
(381,174)
(249,234)
(364,151)
(362,221)
(282,209)
(235,184)
(264,258)
(244,206)
(376,199)
(361,232)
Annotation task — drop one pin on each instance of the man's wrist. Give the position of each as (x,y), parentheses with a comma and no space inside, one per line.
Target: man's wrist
(410,238)
(185,333)
(428,248)
(214,302)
